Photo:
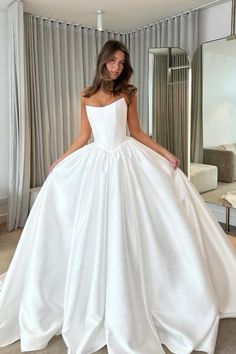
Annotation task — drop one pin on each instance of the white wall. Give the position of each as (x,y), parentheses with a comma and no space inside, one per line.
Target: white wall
(4,116)
(215,22)
(219,98)
(219,71)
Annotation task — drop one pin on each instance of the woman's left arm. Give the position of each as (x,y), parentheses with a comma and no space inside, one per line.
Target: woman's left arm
(137,133)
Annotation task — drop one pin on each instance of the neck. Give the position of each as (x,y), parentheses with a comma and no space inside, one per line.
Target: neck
(108,87)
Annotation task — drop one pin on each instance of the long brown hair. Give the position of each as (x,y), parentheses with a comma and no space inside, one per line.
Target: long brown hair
(102,79)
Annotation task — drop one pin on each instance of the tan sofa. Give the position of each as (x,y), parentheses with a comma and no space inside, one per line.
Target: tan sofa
(224,157)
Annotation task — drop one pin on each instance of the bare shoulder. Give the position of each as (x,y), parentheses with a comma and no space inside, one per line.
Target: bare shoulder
(131,89)
(130,94)
(83,95)
(83,91)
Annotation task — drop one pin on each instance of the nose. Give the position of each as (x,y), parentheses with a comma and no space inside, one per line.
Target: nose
(116,66)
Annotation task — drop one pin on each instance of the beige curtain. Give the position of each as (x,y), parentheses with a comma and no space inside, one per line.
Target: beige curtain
(160,125)
(196,109)
(19,121)
(178,100)
(170,104)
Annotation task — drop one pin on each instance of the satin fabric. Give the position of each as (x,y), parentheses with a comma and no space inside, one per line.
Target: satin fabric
(119,249)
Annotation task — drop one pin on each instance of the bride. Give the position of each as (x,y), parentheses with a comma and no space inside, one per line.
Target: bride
(119,249)
(111,84)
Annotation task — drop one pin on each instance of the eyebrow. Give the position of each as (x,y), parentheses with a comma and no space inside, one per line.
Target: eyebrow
(117,58)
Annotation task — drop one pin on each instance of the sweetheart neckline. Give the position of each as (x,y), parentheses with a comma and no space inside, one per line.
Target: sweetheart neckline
(106,104)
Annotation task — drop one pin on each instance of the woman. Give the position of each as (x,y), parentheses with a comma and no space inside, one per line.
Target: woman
(113,72)
(119,249)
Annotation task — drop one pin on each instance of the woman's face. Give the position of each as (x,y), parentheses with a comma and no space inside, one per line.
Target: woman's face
(116,64)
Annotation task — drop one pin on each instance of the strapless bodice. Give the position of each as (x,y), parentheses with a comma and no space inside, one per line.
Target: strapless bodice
(108,124)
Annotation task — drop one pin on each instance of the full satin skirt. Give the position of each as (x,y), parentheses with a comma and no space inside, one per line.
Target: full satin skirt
(119,250)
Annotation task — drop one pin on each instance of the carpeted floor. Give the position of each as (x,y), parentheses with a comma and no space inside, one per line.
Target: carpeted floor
(215,196)
(226,341)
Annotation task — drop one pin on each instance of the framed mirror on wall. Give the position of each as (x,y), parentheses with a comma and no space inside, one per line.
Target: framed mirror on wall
(169,101)
(213,120)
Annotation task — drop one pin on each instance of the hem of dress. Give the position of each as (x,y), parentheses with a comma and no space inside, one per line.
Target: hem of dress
(11,341)
(28,346)
(89,351)
(199,348)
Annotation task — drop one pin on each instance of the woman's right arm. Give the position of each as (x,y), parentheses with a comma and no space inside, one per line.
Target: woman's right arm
(82,139)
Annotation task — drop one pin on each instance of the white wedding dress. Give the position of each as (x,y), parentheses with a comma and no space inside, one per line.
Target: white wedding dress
(119,250)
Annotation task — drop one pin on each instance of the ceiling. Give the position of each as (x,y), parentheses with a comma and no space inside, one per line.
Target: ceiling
(119,15)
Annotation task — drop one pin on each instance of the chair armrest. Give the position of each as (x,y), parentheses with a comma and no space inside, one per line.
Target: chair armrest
(225,161)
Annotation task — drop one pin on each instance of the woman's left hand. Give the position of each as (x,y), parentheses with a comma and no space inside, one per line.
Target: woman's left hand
(173,160)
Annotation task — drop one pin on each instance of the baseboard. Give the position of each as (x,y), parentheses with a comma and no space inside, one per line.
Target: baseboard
(3,209)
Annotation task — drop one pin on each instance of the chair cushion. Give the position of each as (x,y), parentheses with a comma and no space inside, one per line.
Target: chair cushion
(204,177)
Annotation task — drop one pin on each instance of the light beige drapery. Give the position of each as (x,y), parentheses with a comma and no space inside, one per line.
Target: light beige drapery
(170,104)
(159,102)
(196,109)
(19,121)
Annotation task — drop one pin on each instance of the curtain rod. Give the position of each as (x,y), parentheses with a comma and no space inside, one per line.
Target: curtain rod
(138,29)
(199,7)
(61,21)
(179,14)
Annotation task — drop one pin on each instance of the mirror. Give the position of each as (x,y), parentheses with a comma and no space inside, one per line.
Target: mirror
(213,120)
(169,101)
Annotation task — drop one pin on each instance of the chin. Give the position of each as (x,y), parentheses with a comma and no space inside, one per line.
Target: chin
(114,76)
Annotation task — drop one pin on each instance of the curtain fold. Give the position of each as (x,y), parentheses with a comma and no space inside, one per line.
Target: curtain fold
(18,199)
(160,125)
(170,104)
(60,61)
(196,109)
(177,113)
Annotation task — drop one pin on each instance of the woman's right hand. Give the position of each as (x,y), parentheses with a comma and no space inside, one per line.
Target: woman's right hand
(54,164)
